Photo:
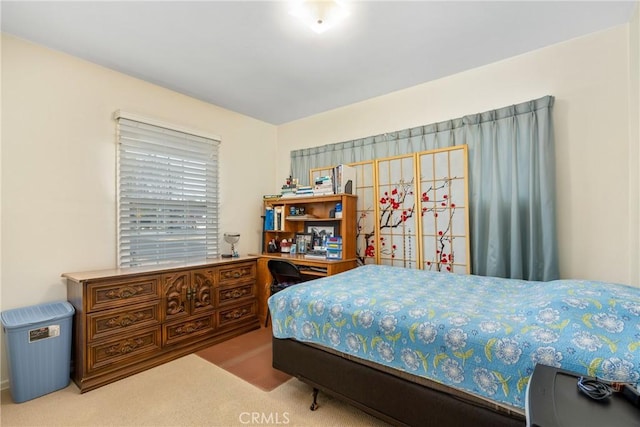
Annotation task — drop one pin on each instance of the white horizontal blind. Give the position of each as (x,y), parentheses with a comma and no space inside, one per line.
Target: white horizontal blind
(168,195)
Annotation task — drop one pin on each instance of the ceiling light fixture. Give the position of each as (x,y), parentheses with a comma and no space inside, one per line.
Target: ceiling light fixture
(319,15)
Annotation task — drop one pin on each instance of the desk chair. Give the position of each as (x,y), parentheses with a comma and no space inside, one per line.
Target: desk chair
(284,274)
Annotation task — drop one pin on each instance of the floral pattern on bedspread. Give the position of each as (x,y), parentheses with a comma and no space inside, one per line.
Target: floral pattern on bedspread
(480,334)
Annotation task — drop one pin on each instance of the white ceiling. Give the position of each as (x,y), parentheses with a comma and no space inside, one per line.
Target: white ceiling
(255,59)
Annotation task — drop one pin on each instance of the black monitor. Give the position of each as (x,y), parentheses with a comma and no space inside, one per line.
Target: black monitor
(554,400)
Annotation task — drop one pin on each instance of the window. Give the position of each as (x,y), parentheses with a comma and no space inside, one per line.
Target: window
(167,193)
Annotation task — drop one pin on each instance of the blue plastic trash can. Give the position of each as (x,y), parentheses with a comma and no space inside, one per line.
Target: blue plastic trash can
(38,348)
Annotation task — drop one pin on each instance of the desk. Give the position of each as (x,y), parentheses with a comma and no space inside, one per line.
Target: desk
(553,399)
(312,268)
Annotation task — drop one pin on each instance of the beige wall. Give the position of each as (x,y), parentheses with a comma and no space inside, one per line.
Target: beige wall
(58,152)
(589,78)
(634,145)
(58,166)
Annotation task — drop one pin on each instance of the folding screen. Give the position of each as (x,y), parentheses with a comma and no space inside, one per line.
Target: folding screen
(409,222)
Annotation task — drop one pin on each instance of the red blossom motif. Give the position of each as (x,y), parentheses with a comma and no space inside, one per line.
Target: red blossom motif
(393,213)
(396,201)
(369,251)
(441,204)
(390,217)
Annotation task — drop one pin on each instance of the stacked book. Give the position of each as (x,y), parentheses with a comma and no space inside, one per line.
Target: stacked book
(288,191)
(304,190)
(323,185)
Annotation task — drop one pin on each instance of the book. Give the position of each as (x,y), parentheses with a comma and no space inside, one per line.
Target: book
(268,219)
(289,195)
(287,190)
(344,179)
(316,254)
(304,190)
(278,219)
(301,217)
(323,185)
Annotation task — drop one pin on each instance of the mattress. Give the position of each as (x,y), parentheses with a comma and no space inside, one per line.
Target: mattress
(481,335)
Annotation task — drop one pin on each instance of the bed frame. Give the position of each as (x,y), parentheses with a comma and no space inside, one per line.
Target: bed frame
(392,398)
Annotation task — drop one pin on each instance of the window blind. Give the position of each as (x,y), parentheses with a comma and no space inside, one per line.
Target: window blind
(167,194)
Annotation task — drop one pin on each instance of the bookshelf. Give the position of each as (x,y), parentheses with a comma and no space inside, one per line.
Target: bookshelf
(300,215)
(317,211)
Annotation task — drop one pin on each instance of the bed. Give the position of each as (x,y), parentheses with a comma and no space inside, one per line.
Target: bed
(416,347)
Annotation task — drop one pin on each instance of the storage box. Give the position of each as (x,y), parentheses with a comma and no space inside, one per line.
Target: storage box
(334,247)
(38,347)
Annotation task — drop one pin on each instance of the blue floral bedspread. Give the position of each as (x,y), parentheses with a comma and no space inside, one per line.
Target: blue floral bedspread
(480,334)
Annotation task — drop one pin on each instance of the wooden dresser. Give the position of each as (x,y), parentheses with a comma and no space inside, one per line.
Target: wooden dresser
(131,319)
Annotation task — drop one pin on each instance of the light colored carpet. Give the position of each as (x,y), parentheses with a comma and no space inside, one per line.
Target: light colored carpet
(185,392)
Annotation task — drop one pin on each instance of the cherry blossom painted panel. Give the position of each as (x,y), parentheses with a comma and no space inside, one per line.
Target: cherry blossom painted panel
(392,231)
(365,212)
(396,226)
(444,210)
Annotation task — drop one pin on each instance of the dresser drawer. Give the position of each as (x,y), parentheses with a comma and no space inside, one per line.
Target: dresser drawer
(188,329)
(239,313)
(113,294)
(236,272)
(123,350)
(106,323)
(232,294)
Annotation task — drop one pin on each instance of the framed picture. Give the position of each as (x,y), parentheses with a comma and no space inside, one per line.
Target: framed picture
(304,242)
(320,232)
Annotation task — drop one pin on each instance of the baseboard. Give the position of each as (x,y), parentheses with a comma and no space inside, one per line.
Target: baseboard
(4,384)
